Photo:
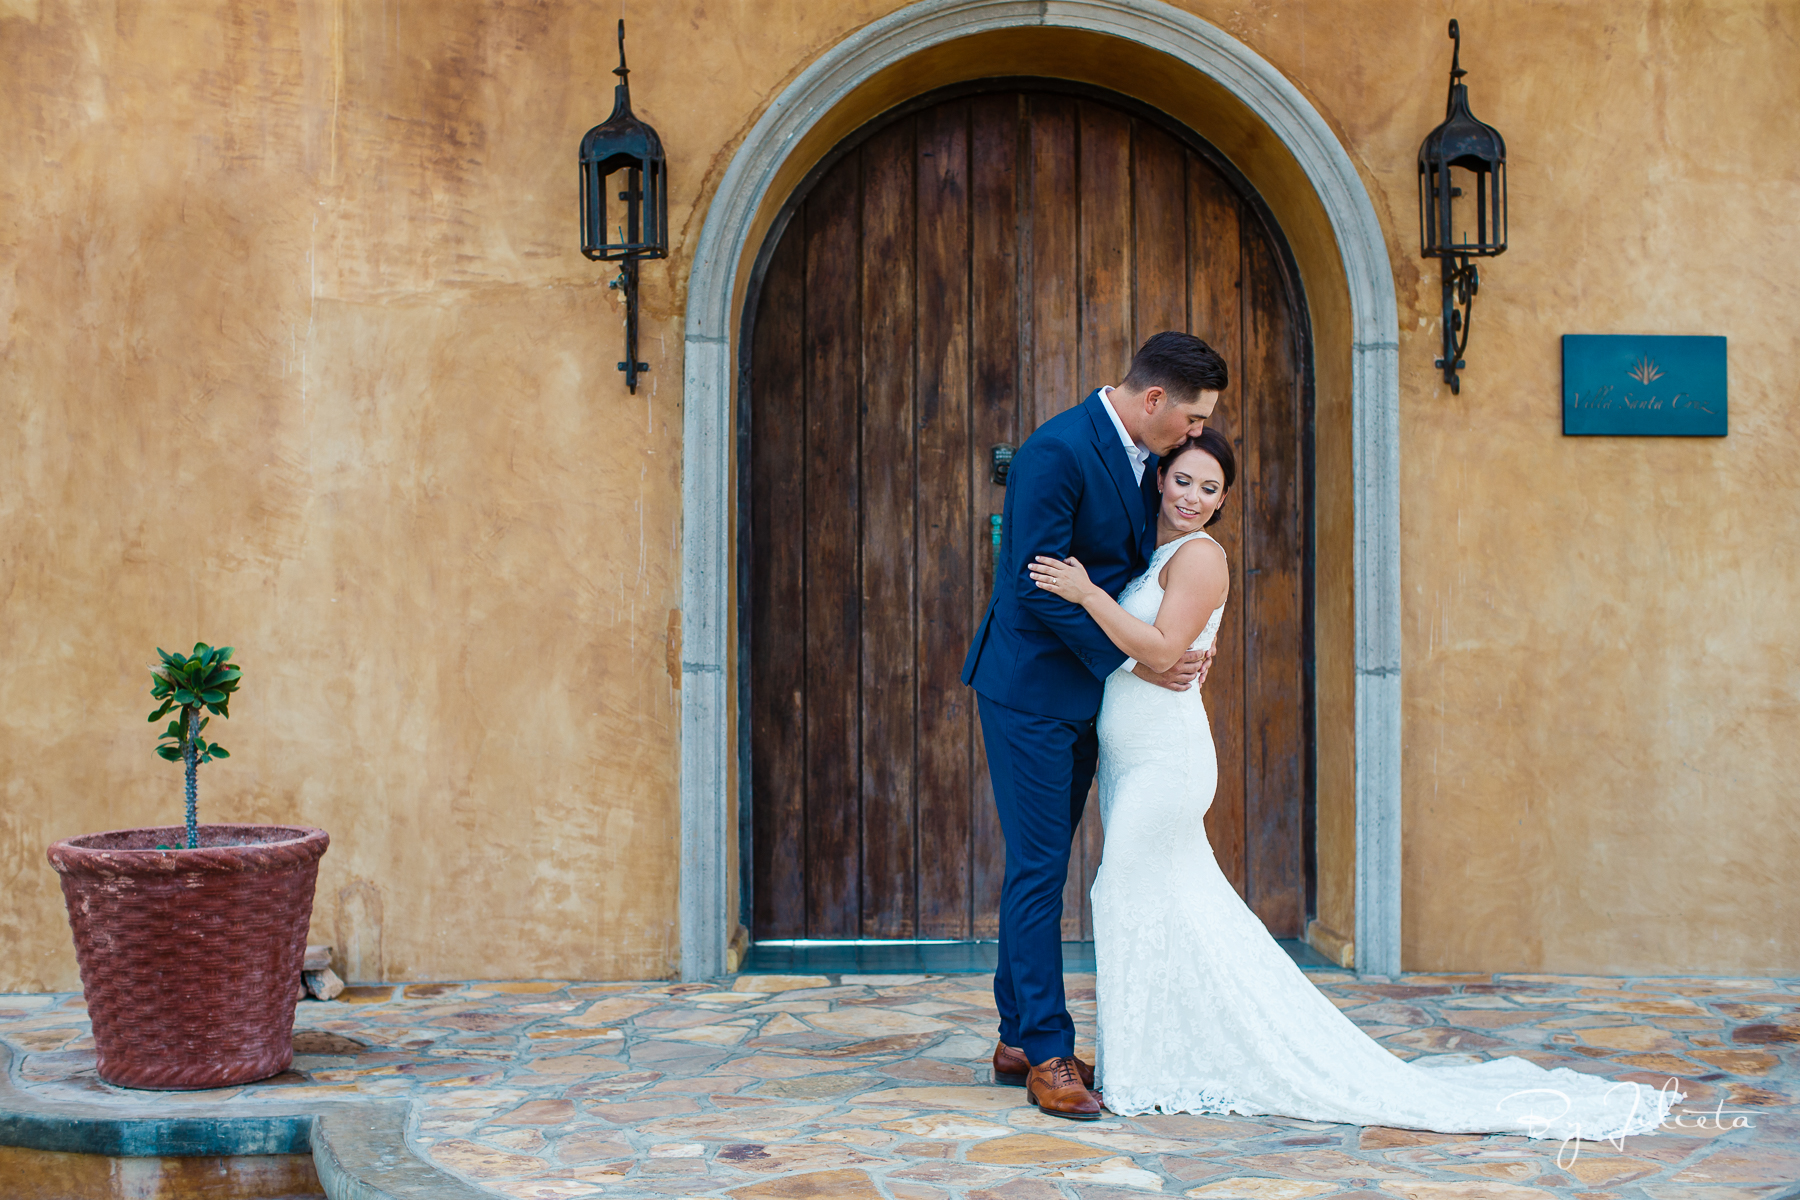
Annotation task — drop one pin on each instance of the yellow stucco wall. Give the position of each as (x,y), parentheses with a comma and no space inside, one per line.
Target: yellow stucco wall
(298,353)
(1603,675)
(299,357)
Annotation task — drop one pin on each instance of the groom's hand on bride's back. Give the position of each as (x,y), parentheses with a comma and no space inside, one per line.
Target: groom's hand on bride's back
(1189,672)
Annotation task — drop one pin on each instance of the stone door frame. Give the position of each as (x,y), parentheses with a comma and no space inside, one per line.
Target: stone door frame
(708,574)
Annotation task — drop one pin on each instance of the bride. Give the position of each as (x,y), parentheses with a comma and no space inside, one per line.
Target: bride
(1200,1010)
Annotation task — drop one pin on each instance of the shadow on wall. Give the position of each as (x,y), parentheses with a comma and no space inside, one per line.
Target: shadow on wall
(356,931)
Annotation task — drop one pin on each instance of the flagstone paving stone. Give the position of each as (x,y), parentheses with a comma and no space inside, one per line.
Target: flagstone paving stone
(874,1087)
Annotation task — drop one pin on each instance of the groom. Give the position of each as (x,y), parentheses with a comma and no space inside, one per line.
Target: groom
(1083,485)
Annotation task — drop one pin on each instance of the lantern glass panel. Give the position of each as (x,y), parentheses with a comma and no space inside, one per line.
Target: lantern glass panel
(624,209)
(1476,210)
(1466,217)
(593,210)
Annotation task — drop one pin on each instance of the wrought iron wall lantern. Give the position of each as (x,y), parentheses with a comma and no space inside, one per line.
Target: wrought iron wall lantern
(1462,166)
(622,144)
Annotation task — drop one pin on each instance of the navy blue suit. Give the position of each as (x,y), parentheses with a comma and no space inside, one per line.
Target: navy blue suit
(1039,665)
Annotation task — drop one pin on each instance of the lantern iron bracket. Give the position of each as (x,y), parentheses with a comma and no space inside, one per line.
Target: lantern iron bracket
(1461,281)
(628,283)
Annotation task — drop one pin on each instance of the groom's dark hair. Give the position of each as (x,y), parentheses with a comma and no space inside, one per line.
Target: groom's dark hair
(1180,364)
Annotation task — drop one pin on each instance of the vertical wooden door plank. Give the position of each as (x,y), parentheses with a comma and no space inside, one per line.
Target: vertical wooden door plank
(1159,221)
(833,594)
(1103,238)
(1274,776)
(945,620)
(995,342)
(777,614)
(1055,279)
(890,487)
(1053,297)
(1084,864)
(1215,299)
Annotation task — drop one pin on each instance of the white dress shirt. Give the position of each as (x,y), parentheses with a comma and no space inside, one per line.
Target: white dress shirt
(1139,454)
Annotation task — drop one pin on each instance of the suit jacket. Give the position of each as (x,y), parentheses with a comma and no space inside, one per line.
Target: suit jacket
(1069,491)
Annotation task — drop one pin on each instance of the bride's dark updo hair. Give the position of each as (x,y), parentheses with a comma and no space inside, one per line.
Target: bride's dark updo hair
(1208,441)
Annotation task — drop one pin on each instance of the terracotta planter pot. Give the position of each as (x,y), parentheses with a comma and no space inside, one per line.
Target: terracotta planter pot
(190,959)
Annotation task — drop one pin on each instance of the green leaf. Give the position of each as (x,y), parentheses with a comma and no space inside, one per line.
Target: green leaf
(165,655)
(169,752)
(213,697)
(219,751)
(224,654)
(186,698)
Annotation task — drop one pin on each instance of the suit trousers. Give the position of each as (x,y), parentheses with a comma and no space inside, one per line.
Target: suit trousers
(1041,768)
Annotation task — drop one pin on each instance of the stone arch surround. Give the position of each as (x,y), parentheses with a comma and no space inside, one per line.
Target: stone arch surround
(1198,74)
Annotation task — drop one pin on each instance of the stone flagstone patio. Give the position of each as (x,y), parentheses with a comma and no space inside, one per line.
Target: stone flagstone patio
(868,1086)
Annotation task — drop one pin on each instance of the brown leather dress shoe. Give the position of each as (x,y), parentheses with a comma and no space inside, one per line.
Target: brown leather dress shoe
(1011,1066)
(1056,1088)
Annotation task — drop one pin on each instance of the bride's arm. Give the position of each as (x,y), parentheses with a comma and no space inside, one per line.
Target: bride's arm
(1196,579)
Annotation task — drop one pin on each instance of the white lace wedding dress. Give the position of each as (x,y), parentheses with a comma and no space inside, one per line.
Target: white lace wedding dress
(1201,1012)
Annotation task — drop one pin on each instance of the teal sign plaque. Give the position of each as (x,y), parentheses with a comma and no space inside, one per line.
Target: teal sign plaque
(1618,385)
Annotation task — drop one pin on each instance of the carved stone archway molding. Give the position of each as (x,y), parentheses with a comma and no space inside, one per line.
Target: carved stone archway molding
(708,581)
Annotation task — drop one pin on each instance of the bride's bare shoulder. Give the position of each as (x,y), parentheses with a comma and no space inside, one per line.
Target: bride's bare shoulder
(1201,553)
(1199,563)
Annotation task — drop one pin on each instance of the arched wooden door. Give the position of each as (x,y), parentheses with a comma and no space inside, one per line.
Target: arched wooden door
(951,277)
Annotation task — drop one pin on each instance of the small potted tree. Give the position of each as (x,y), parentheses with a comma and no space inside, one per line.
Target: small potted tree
(190,938)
